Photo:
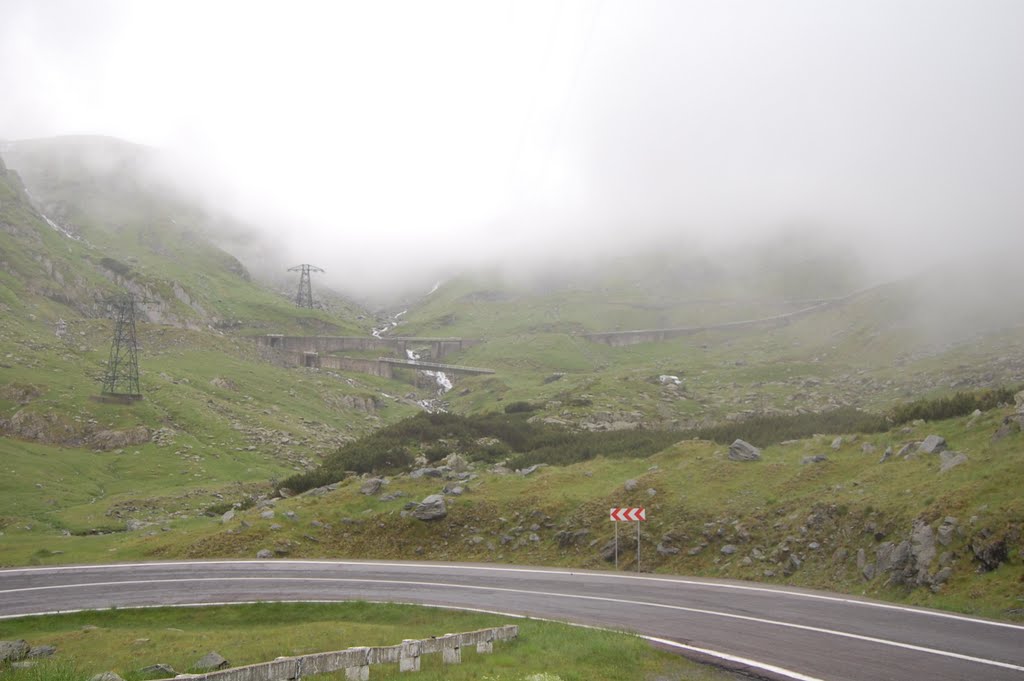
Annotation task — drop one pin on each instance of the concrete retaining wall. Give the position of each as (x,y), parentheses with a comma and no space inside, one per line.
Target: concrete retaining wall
(323,345)
(356,662)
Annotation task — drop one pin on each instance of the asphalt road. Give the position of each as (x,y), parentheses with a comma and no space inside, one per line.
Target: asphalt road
(791,633)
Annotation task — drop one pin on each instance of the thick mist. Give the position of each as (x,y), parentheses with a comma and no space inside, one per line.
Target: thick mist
(398,143)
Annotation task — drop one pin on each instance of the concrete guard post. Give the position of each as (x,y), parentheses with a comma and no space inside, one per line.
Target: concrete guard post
(451,649)
(409,660)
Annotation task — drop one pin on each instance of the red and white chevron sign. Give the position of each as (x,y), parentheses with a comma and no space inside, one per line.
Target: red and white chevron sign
(631,514)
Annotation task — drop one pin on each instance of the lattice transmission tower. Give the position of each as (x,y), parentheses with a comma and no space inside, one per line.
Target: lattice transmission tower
(121,379)
(304,297)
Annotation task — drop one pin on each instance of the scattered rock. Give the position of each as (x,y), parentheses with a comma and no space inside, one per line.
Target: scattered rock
(729,549)
(1018,401)
(431,508)
(158,671)
(228,517)
(740,450)
(631,485)
(907,449)
(837,443)
(42,651)
(933,444)
(867,448)
(267,515)
(817,458)
(886,455)
(223,383)
(567,538)
(106,676)
(264,554)
(664,550)
(210,662)
(950,459)
(651,492)
(530,469)
(425,473)
(12,651)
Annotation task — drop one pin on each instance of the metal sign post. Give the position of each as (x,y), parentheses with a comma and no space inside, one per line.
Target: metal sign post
(617,515)
(616,546)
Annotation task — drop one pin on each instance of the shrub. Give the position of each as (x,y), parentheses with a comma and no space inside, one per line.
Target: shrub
(520,407)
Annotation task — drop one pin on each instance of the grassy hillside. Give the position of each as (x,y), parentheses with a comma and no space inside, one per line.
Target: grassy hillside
(132,230)
(786,519)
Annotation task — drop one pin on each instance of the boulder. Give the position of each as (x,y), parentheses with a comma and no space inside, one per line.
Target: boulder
(630,485)
(431,508)
(1018,401)
(228,517)
(42,651)
(950,459)
(837,443)
(886,455)
(817,458)
(728,549)
(867,448)
(106,676)
(1011,425)
(933,444)
(664,550)
(371,486)
(740,450)
(425,473)
(264,554)
(12,651)
(211,662)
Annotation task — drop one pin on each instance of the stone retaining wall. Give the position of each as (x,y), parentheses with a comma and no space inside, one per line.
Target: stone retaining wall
(356,662)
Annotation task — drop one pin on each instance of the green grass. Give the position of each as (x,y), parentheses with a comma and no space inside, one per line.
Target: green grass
(125,641)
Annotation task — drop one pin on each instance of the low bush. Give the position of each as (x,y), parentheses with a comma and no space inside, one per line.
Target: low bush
(960,404)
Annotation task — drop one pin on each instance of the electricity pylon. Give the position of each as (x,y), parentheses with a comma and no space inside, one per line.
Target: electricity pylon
(121,379)
(304,297)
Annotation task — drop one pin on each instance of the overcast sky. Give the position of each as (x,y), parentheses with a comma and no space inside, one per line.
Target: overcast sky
(397,134)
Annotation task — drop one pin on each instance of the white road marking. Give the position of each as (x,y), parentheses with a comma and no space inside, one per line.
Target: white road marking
(604,599)
(551,571)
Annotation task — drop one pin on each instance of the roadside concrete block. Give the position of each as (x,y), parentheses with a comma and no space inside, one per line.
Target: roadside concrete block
(451,649)
(410,656)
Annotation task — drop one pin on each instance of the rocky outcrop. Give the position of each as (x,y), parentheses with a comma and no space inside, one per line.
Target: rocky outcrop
(107,440)
(908,562)
(740,450)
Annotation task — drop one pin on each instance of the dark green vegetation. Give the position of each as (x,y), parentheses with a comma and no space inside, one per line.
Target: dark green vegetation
(488,438)
(521,441)
(125,641)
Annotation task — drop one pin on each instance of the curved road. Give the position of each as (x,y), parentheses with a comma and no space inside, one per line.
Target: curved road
(786,633)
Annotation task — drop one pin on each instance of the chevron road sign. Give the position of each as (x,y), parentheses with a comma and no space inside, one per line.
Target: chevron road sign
(630,514)
(618,515)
